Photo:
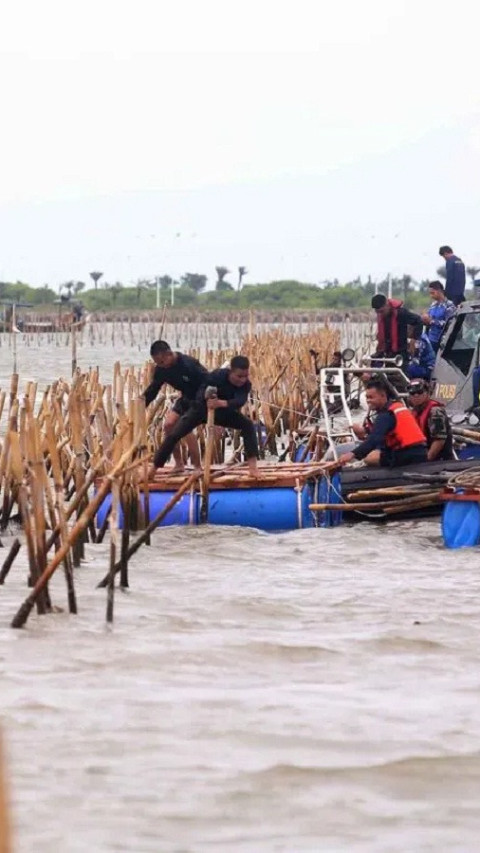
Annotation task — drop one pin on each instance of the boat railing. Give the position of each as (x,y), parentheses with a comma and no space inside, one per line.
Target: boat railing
(336,402)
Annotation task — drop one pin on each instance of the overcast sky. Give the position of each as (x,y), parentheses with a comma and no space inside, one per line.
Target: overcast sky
(302,139)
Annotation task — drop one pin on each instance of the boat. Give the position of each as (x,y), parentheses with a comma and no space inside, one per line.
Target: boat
(13,321)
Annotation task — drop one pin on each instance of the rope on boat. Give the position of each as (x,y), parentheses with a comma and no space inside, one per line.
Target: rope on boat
(470,478)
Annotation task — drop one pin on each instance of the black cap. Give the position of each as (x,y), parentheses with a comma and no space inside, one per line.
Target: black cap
(418,386)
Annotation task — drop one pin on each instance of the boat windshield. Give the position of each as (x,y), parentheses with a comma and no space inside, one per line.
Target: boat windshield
(461,347)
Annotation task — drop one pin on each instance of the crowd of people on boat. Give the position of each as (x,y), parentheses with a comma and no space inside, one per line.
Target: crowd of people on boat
(396,432)
(392,434)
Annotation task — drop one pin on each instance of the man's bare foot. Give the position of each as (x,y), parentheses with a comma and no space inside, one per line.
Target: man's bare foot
(177,469)
(252,468)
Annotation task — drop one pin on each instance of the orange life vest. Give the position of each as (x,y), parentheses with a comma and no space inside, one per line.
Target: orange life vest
(406,430)
(422,417)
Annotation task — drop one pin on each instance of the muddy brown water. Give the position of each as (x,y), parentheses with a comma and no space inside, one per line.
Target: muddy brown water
(307,691)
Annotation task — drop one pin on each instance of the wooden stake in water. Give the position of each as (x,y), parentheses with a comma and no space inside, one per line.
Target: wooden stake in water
(74,348)
(25,609)
(210,394)
(5,834)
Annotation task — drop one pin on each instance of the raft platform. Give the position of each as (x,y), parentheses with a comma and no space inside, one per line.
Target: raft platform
(284,495)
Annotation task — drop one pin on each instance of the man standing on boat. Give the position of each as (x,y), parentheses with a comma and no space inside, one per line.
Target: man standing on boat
(432,419)
(186,375)
(439,313)
(396,438)
(392,322)
(232,386)
(455,272)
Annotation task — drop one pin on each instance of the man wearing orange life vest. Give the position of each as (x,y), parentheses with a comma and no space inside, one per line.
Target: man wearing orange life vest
(393,320)
(432,420)
(396,438)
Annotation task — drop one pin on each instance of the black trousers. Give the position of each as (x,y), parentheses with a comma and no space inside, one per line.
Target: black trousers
(198,415)
(414,454)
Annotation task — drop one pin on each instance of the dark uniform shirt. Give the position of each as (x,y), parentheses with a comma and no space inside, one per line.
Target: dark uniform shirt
(186,375)
(438,429)
(384,422)
(405,318)
(236,397)
(455,284)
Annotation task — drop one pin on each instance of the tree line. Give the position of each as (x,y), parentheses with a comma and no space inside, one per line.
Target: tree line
(190,290)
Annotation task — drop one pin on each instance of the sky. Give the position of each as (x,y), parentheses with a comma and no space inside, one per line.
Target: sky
(303,139)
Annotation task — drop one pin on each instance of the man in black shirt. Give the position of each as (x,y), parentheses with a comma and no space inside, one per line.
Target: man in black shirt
(185,374)
(233,387)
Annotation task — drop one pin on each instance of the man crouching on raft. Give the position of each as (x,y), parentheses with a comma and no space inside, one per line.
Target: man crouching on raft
(233,387)
(185,374)
(396,438)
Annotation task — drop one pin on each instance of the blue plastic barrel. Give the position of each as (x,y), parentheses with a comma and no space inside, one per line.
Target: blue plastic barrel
(328,491)
(461,524)
(184,512)
(265,509)
(299,451)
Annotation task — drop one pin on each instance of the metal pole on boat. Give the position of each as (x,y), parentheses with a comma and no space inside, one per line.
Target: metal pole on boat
(389,279)
(157,282)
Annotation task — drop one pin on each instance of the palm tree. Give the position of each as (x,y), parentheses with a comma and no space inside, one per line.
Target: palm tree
(221,273)
(242,271)
(473,272)
(68,286)
(442,272)
(95,276)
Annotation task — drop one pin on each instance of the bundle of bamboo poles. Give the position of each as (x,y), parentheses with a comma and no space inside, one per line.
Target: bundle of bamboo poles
(388,501)
(53,451)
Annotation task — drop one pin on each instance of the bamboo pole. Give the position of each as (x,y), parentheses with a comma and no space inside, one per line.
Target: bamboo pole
(24,611)
(7,564)
(5,823)
(207,464)
(133,548)
(377,505)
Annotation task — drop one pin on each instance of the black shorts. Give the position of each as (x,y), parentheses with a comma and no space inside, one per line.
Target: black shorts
(412,455)
(182,405)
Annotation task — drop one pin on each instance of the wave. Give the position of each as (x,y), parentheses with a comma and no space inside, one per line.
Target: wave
(462,765)
(287,651)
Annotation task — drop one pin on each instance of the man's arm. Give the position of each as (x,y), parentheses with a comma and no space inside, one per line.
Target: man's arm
(151,392)
(438,428)
(450,273)
(413,320)
(236,402)
(384,422)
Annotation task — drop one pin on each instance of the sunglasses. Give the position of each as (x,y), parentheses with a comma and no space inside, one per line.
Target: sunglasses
(414,391)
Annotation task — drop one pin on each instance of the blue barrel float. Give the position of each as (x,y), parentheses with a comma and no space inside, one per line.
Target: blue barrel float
(328,490)
(460,521)
(269,509)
